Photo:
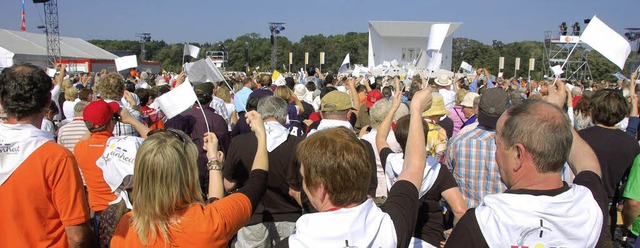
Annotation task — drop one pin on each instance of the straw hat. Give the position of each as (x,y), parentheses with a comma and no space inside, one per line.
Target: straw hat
(437,107)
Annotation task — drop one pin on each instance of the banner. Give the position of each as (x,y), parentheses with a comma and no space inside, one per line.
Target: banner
(532,64)
(517,64)
(466,66)
(290,58)
(306,58)
(501,63)
(322,58)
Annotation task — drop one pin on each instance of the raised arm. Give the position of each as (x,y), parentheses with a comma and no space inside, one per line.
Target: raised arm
(140,127)
(581,156)
(216,160)
(415,153)
(260,161)
(385,126)
(355,100)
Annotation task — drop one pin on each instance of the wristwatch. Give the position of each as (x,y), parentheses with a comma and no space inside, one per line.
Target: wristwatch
(214,165)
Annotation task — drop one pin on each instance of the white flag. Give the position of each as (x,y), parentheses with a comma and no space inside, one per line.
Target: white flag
(606,41)
(501,63)
(290,58)
(517,63)
(322,58)
(435,62)
(557,70)
(466,66)
(437,34)
(346,60)
(177,100)
(203,70)
(191,50)
(306,58)
(51,72)
(126,62)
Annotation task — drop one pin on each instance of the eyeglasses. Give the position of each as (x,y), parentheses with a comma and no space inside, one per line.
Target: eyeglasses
(173,132)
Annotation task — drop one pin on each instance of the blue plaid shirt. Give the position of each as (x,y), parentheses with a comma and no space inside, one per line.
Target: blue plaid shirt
(471,159)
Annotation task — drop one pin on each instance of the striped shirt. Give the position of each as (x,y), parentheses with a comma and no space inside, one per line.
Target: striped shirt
(70,133)
(471,159)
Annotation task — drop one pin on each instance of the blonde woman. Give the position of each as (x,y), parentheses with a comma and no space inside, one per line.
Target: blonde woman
(225,94)
(71,98)
(168,209)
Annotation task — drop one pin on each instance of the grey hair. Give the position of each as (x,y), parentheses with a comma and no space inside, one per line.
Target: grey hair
(378,111)
(79,107)
(271,106)
(530,124)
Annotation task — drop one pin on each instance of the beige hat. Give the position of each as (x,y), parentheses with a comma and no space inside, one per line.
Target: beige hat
(437,107)
(467,101)
(335,101)
(443,80)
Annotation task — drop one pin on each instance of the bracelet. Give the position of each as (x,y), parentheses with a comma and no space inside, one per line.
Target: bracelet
(214,165)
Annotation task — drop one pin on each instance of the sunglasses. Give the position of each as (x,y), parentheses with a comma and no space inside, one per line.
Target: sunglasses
(173,132)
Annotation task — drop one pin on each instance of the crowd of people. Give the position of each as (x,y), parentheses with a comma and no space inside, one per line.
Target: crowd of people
(91,160)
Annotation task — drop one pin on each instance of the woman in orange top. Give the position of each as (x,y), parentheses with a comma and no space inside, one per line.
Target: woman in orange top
(168,209)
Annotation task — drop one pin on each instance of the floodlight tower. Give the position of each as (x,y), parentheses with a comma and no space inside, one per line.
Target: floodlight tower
(144,37)
(275,28)
(51,30)
(633,35)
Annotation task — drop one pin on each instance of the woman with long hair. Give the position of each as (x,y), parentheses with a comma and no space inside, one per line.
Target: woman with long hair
(168,208)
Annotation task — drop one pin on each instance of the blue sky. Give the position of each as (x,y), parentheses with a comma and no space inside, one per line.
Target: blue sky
(211,21)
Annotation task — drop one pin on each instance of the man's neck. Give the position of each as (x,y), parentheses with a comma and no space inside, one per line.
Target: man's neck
(541,181)
(35,120)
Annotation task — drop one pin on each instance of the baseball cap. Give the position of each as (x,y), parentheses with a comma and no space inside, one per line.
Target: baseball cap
(467,101)
(203,88)
(335,101)
(100,112)
(493,102)
(373,97)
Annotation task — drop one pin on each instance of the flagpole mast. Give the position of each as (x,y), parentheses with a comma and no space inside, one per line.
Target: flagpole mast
(183,46)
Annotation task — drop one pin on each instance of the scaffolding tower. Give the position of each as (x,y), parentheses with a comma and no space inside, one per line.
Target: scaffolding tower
(219,58)
(556,52)
(52,32)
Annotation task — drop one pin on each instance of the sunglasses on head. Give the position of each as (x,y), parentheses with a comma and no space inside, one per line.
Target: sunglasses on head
(173,132)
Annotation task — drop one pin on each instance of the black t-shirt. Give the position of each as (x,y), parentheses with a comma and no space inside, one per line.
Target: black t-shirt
(467,232)
(447,124)
(615,150)
(430,222)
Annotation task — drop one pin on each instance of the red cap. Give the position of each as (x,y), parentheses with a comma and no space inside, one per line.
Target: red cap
(100,112)
(372,97)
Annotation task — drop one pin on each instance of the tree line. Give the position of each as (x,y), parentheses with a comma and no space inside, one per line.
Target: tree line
(336,47)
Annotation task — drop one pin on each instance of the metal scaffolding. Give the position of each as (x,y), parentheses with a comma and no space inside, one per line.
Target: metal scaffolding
(556,52)
(52,31)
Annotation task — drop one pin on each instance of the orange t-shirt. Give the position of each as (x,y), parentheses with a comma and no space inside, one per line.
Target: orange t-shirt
(87,153)
(210,226)
(42,196)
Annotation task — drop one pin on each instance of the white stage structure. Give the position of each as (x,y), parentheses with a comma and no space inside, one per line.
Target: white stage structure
(403,41)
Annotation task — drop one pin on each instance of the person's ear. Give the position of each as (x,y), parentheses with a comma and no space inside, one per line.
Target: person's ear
(520,152)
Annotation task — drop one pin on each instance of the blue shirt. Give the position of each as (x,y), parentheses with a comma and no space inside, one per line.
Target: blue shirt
(473,87)
(241,98)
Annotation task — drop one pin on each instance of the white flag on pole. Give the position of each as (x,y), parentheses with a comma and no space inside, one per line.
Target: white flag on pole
(437,34)
(126,62)
(306,58)
(517,63)
(501,63)
(191,50)
(346,60)
(557,70)
(203,70)
(343,66)
(606,41)
(290,58)
(466,66)
(322,58)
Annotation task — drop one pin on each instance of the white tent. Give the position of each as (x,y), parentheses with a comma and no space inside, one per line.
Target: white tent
(17,47)
(403,41)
